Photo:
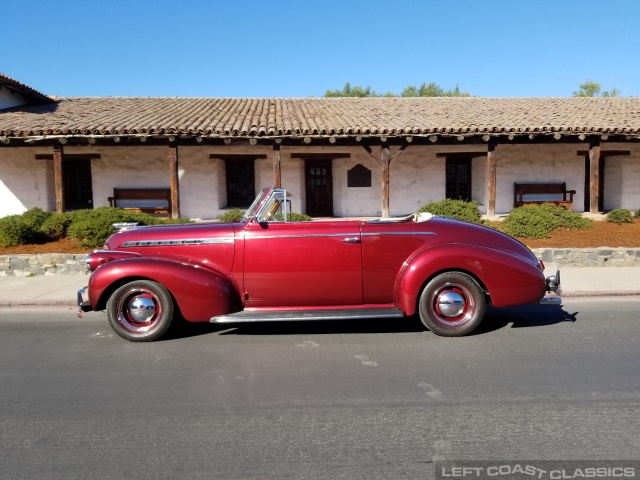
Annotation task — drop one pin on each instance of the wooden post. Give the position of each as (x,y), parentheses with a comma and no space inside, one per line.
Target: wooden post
(385,160)
(277,174)
(175,181)
(594,169)
(492,162)
(58,181)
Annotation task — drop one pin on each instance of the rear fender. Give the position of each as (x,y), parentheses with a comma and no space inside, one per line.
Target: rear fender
(509,279)
(199,293)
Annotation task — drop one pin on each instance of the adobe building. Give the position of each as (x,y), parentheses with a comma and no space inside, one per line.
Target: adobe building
(340,157)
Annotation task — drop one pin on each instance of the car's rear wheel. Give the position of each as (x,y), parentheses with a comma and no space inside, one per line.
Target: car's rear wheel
(452,304)
(140,311)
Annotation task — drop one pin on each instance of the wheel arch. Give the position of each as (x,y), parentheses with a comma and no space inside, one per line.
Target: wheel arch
(505,279)
(198,293)
(111,288)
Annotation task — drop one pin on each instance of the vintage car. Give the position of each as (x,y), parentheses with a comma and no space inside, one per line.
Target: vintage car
(267,268)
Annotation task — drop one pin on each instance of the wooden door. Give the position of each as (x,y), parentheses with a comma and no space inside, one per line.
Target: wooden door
(319,188)
(78,190)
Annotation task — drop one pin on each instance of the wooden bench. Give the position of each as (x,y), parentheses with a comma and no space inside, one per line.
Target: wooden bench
(147,200)
(553,190)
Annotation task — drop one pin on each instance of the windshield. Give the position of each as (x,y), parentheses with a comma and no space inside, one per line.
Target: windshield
(269,206)
(253,210)
(273,208)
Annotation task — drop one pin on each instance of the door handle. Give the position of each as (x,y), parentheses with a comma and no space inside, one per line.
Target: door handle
(351,240)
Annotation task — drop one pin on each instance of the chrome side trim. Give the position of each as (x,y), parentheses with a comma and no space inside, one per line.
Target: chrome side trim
(310,235)
(179,242)
(372,234)
(346,234)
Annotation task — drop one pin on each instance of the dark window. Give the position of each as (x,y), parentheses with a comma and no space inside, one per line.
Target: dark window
(458,178)
(240,182)
(359,176)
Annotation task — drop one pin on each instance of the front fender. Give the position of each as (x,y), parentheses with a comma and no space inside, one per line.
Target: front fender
(199,293)
(509,279)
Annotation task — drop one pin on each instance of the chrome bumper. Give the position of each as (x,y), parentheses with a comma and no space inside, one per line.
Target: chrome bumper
(83,305)
(550,301)
(552,285)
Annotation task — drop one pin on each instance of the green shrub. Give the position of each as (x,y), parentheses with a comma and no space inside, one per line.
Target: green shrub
(294,217)
(175,221)
(57,224)
(298,217)
(460,209)
(15,231)
(620,216)
(36,217)
(232,215)
(24,228)
(637,213)
(91,228)
(538,221)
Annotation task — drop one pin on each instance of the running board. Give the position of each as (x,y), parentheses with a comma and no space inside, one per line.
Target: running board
(302,315)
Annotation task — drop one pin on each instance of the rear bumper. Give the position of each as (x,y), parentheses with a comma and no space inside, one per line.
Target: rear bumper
(552,285)
(83,305)
(550,301)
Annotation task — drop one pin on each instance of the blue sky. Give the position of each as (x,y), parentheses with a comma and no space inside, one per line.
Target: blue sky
(285,48)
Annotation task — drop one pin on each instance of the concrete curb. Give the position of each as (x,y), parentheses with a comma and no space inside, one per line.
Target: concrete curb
(623,293)
(47,304)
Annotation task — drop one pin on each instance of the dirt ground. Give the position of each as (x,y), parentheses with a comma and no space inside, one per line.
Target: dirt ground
(603,234)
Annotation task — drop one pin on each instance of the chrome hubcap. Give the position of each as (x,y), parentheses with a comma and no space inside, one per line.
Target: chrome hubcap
(451,304)
(141,309)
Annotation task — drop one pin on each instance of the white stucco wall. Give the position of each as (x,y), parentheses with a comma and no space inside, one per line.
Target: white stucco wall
(9,98)
(126,167)
(201,183)
(24,181)
(538,164)
(622,178)
(417,176)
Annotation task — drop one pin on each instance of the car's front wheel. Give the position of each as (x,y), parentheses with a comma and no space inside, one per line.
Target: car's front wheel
(140,311)
(452,304)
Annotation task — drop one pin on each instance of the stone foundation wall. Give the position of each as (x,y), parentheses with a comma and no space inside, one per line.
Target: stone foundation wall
(589,257)
(61,264)
(42,264)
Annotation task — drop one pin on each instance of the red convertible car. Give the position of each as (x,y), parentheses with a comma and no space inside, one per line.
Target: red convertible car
(267,268)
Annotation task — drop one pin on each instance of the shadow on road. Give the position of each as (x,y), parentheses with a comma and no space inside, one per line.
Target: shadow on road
(525,316)
(495,319)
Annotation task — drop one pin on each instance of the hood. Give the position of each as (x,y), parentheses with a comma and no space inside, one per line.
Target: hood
(170,235)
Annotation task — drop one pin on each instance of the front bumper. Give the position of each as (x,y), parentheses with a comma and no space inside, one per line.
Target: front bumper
(83,305)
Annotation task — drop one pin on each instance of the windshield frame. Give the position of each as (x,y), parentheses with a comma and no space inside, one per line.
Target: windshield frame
(258,203)
(266,204)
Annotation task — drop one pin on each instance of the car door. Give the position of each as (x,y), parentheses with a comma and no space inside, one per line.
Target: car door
(302,264)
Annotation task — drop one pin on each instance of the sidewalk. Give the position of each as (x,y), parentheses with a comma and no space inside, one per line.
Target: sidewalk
(60,290)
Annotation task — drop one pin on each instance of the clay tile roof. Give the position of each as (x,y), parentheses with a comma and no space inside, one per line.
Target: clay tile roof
(241,117)
(34,95)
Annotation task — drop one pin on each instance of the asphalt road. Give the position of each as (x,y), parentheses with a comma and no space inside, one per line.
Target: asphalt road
(316,400)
